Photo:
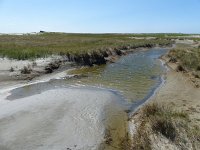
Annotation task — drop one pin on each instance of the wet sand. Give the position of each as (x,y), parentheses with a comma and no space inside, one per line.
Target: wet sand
(60,119)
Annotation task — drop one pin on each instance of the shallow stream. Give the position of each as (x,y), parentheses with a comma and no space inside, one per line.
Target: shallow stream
(135,77)
(95,100)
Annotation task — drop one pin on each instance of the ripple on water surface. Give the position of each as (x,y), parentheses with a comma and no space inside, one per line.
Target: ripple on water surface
(135,75)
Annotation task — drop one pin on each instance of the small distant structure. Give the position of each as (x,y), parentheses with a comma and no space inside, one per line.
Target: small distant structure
(42,31)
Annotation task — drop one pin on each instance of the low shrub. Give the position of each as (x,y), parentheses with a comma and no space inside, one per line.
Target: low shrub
(159,120)
(11,69)
(26,70)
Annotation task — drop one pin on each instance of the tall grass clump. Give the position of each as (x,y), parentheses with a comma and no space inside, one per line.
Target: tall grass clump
(163,122)
(189,58)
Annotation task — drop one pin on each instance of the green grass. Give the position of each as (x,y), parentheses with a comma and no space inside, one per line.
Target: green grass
(189,58)
(44,44)
(162,121)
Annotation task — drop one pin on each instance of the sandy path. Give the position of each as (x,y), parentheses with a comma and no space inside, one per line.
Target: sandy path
(59,119)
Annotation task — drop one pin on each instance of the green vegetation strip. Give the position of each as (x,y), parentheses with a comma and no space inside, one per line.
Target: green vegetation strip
(31,46)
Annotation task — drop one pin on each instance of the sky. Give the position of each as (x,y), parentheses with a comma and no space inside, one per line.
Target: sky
(100,16)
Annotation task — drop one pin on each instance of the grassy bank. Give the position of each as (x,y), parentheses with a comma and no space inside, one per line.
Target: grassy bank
(188,60)
(163,126)
(31,46)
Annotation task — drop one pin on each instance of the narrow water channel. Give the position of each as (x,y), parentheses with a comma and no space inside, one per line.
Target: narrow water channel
(134,76)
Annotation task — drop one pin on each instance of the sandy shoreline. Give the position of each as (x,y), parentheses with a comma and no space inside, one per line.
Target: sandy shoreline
(177,89)
(177,93)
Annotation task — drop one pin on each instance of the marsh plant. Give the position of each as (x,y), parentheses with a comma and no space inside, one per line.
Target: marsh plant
(26,70)
(29,46)
(189,58)
(157,120)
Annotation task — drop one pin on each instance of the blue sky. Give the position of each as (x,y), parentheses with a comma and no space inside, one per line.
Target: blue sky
(100,16)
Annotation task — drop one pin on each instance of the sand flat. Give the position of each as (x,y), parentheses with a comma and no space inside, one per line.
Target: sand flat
(58,119)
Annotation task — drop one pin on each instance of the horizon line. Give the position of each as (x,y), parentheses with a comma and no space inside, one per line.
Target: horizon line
(42,31)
